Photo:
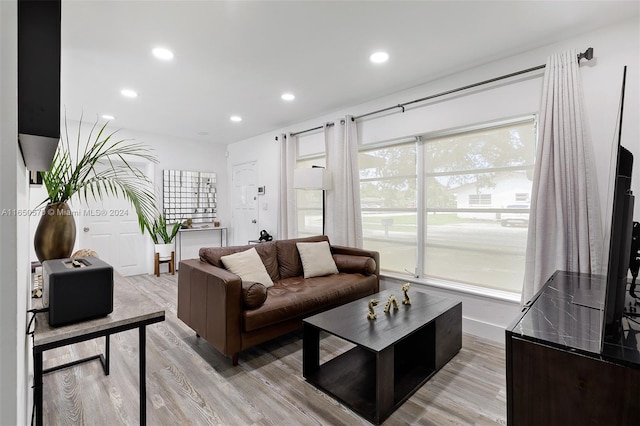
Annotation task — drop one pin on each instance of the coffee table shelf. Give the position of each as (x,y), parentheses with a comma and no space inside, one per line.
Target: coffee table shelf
(349,377)
(394,355)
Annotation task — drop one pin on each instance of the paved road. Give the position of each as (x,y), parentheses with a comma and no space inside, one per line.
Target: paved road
(482,253)
(489,235)
(487,254)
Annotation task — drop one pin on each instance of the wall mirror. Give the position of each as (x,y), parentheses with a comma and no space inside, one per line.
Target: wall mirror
(189,195)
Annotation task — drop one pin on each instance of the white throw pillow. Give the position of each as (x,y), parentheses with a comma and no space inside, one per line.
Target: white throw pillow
(248,266)
(317,260)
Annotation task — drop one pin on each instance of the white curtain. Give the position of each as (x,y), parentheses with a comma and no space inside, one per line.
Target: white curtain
(565,231)
(344,217)
(288,218)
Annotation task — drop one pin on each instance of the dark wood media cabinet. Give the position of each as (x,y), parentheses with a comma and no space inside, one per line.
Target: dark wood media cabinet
(558,373)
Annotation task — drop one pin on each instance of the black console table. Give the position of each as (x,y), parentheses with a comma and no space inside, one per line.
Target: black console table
(131,309)
(558,373)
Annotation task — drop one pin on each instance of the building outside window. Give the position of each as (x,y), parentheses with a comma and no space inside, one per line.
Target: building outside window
(480,199)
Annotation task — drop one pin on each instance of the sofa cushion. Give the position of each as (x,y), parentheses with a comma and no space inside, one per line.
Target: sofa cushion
(355,264)
(289,263)
(316,259)
(248,266)
(253,294)
(295,297)
(267,252)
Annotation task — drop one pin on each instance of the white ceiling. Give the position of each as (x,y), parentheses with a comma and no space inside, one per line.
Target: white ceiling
(238,57)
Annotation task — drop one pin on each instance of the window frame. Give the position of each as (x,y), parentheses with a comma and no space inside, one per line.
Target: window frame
(421,206)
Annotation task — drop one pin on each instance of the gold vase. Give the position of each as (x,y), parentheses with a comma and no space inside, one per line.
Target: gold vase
(56,233)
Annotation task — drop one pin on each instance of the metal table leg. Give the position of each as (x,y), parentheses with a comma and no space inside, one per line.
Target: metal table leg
(37,386)
(143,381)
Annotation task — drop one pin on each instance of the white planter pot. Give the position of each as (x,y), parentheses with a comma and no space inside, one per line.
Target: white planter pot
(164,250)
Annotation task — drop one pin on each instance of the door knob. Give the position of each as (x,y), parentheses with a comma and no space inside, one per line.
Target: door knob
(85,229)
(254,221)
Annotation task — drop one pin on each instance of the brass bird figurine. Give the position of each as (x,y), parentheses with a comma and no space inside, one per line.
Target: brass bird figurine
(372,315)
(392,300)
(405,289)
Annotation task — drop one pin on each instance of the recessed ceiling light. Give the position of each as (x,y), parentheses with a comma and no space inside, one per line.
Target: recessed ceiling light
(162,53)
(379,57)
(236,118)
(128,93)
(288,96)
(108,117)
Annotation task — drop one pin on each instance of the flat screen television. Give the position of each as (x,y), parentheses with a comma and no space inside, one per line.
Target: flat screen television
(619,238)
(619,246)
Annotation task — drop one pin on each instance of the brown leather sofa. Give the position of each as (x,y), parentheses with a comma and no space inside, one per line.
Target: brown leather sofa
(233,315)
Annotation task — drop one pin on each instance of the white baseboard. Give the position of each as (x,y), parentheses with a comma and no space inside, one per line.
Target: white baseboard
(483,316)
(482,329)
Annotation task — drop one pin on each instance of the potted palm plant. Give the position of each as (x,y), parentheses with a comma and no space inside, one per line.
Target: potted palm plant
(161,235)
(97,167)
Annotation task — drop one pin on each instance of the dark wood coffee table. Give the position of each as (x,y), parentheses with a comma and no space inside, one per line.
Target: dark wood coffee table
(394,355)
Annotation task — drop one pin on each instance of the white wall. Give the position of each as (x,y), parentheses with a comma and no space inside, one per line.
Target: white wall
(14,281)
(195,156)
(614,46)
(177,154)
(265,151)
(481,316)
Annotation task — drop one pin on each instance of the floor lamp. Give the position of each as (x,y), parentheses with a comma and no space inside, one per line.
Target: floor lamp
(315,178)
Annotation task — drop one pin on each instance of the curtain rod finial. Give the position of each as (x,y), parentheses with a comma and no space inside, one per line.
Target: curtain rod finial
(587,54)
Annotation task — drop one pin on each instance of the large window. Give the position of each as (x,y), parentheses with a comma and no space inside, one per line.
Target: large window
(388,198)
(452,207)
(309,202)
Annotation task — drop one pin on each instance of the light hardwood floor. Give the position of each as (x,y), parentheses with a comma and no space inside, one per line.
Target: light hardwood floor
(189,383)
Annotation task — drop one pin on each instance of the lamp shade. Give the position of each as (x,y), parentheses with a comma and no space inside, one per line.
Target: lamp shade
(313,178)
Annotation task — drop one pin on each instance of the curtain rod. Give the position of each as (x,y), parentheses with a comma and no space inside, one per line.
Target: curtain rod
(587,54)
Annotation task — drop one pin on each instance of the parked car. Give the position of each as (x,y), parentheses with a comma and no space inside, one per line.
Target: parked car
(515,218)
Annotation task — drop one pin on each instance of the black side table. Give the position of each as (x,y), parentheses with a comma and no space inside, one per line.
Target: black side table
(131,309)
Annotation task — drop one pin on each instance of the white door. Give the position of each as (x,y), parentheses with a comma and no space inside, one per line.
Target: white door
(245,203)
(110,228)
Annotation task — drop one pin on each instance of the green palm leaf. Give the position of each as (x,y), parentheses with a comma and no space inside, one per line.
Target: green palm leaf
(101,166)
